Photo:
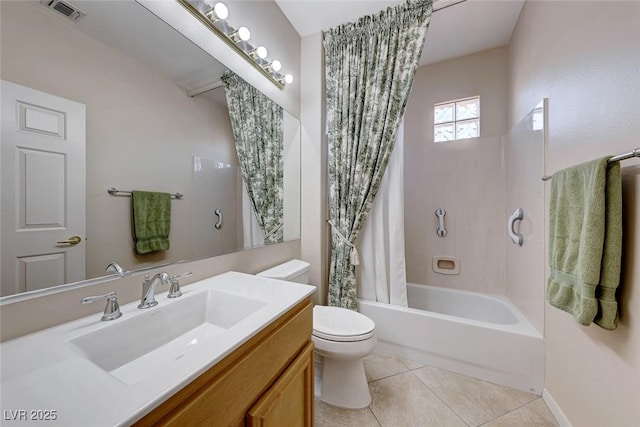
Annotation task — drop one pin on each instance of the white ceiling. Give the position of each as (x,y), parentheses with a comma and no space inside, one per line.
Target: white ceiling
(461,29)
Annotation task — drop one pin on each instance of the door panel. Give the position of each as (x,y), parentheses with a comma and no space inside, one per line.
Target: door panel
(42,183)
(36,272)
(43,165)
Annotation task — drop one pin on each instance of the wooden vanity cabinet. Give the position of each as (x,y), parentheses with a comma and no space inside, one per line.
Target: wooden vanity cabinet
(288,402)
(268,381)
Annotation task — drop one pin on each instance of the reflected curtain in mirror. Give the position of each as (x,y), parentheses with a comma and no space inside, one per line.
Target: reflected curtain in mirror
(257,124)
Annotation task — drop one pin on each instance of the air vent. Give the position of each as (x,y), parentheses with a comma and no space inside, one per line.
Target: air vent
(64,8)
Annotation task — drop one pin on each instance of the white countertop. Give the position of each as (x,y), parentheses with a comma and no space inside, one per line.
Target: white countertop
(45,376)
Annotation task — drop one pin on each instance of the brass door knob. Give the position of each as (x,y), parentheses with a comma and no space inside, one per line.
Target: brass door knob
(72,240)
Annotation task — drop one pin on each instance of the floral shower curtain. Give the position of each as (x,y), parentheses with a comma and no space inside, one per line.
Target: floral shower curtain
(257,124)
(369,71)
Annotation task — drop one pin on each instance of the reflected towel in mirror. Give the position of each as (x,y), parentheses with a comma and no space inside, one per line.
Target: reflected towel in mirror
(151,220)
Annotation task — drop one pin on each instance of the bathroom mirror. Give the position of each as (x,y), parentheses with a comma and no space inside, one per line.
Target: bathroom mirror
(133,73)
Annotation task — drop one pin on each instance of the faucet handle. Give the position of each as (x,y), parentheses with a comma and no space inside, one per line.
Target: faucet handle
(174,290)
(111,310)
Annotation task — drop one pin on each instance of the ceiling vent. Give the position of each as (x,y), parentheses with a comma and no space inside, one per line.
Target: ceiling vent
(64,8)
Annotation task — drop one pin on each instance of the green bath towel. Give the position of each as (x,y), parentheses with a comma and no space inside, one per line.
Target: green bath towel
(585,242)
(151,221)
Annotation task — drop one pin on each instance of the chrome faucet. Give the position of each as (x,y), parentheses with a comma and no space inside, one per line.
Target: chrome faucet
(111,310)
(114,267)
(174,289)
(149,289)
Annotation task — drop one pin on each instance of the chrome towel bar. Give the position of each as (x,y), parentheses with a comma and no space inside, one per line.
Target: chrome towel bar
(623,156)
(115,192)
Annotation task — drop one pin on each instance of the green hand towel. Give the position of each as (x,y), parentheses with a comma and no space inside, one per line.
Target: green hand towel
(585,242)
(151,221)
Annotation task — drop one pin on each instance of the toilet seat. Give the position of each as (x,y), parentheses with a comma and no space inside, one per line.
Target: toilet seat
(341,325)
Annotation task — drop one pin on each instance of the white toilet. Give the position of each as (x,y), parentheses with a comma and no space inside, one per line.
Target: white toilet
(342,338)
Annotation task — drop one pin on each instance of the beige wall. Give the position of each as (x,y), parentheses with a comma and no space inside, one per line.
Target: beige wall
(142,132)
(314,164)
(585,57)
(464,177)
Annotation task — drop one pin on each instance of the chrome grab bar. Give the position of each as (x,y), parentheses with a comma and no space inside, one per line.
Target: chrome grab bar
(218,224)
(516,237)
(441,231)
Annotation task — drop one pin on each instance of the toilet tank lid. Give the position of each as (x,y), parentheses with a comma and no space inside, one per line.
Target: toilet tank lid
(286,271)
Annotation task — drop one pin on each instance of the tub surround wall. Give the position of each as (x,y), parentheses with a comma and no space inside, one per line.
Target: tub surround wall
(464,177)
(584,57)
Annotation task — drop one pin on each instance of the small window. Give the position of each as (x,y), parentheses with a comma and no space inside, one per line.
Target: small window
(456,119)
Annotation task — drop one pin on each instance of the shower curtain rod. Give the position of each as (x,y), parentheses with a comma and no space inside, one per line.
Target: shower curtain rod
(439,5)
(623,156)
(203,89)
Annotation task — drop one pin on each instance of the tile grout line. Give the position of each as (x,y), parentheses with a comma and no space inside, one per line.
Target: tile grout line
(374,415)
(440,399)
(388,376)
(507,413)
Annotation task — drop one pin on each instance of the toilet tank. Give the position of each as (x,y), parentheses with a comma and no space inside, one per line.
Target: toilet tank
(293,271)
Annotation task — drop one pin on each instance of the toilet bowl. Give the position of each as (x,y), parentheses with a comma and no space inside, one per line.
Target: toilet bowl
(342,338)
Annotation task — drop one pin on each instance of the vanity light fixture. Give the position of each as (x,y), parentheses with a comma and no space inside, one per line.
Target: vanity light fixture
(213,15)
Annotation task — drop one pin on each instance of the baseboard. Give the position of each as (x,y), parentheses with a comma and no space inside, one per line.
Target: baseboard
(555,409)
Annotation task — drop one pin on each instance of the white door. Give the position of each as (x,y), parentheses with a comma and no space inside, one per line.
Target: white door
(43,190)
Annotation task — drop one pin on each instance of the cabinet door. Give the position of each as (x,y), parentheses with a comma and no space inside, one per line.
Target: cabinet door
(289,402)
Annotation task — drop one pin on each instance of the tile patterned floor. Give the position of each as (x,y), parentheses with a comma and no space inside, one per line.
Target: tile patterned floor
(407,393)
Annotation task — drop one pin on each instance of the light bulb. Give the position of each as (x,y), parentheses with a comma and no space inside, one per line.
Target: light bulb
(276,65)
(261,51)
(244,34)
(221,11)
(288,79)
(218,10)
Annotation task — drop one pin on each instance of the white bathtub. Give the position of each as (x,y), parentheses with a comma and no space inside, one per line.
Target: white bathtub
(478,335)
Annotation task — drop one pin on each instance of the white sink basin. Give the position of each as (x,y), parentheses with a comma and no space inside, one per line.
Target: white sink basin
(113,373)
(133,348)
